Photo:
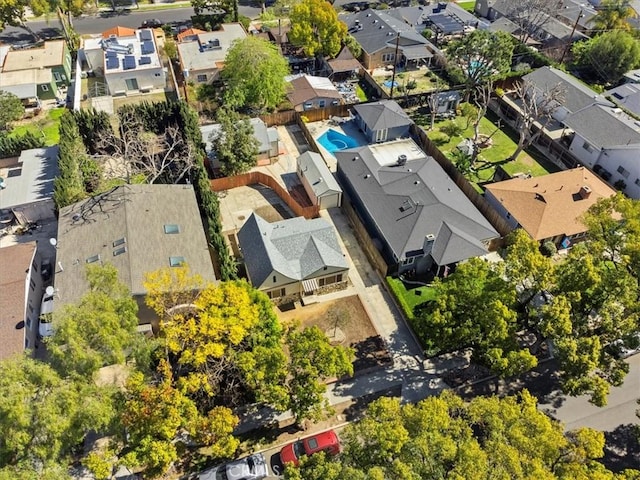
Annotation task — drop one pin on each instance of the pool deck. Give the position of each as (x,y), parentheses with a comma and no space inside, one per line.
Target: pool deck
(349,128)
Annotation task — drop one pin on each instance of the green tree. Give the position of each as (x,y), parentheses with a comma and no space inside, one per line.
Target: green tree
(481,56)
(44,416)
(444,437)
(155,413)
(99,330)
(11,109)
(608,56)
(613,15)
(254,74)
(234,144)
(474,307)
(352,44)
(316,28)
(312,361)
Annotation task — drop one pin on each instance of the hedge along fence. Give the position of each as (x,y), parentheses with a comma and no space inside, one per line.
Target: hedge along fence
(251,178)
(499,223)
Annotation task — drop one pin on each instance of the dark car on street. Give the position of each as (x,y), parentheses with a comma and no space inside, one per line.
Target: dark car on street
(151,23)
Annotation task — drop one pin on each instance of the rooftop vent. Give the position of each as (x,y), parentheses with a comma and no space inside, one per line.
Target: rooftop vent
(585,192)
(402,159)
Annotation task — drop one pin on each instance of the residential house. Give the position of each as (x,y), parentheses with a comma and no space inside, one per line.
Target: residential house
(626,96)
(570,12)
(503,24)
(382,121)
(22,287)
(202,55)
(607,141)
(576,95)
(292,258)
(190,35)
(632,76)
(382,35)
(267,137)
(128,60)
(35,74)
(319,183)
(137,228)
(26,185)
(308,92)
(415,215)
(444,18)
(550,207)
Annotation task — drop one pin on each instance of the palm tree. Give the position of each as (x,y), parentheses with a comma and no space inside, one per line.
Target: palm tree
(613,15)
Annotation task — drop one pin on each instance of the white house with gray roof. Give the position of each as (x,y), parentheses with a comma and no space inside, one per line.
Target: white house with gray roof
(318,181)
(415,214)
(202,55)
(293,257)
(607,141)
(382,121)
(26,184)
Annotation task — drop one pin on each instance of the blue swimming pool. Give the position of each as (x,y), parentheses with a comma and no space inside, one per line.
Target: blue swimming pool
(333,140)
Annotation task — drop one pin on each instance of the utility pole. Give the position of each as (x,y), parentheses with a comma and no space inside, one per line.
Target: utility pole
(395,62)
(573,30)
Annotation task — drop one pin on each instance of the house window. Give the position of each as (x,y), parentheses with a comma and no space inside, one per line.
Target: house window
(202,78)
(308,105)
(388,57)
(32,284)
(274,279)
(45,88)
(120,241)
(132,83)
(120,251)
(623,172)
(339,277)
(171,229)
(35,267)
(57,77)
(587,146)
(176,261)
(30,307)
(329,280)
(408,261)
(321,103)
(278,292)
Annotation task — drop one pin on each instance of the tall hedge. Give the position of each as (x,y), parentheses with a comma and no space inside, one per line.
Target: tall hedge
(12,146)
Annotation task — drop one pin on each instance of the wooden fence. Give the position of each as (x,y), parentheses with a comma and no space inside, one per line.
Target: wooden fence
(252,178)
(490,213)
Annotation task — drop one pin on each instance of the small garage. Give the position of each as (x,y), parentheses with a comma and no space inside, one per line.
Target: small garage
(319,183)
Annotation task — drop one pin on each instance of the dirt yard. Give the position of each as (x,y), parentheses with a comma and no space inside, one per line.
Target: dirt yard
(352,320)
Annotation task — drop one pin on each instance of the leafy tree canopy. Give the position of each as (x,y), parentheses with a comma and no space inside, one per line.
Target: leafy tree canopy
(315,27)
(443,437)
(613,15)
(254,74)
(99,329)
(11,109)
(609,55)
(234,144)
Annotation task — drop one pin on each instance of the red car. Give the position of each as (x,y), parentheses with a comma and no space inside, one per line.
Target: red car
(326,441)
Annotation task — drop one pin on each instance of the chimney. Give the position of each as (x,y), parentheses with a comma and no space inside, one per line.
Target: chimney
(585,192)
(427,245)
(402,159)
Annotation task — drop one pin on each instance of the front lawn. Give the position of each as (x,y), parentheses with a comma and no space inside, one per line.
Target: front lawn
(503,144)
(408,299)
(45,125)
(468,6)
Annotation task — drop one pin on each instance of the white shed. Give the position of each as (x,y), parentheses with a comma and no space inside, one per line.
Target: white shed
(318,181)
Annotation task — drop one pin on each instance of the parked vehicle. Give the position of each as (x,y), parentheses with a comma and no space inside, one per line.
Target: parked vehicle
(624,348)
(327,442)
(45,328)
(253,467)
(152,23)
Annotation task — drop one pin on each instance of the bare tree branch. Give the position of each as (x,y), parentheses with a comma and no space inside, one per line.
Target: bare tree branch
(531,15)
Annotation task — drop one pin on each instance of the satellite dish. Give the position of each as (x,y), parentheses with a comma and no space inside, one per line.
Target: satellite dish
(53,241)
(49,290)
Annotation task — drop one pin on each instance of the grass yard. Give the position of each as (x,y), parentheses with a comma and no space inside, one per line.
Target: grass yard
(45,124)
(409,299)
(503,145)
(360,93)
(425,81)
(468,6)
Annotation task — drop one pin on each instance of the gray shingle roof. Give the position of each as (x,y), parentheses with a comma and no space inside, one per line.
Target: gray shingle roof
(382,114)
(261,133)
(577,95)
(604,126)
(137,214)
(296,248)
(371,29)
(317,173)
(627,96)
(411,201)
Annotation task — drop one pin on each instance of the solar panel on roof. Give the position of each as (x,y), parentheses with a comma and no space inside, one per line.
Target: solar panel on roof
(111,53)
(145,35)
(112,63)
(147,48)
(129,62)
(144,61)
